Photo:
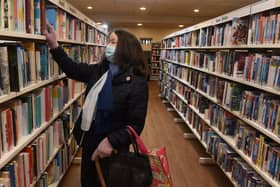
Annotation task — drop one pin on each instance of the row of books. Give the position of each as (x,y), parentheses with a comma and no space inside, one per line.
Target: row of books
(155,58)
(253,105)
(262,151)
(29,16)
(228,159)
(24,64)
(261,28)
(94,54)
(71,28)
(262,69)
(22,116)
(26,168)
(25,16)
(265,28)
(234,32)
(59,165)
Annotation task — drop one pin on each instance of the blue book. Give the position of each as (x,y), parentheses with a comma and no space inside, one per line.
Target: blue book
(37,16)
(11,169)
(44,62)
(38,111)
(51,15)
(30,115)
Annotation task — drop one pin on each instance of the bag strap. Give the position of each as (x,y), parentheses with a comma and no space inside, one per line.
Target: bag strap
(141,146)
(99,172)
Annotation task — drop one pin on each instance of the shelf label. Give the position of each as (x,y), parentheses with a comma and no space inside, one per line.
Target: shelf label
(221,19)
(62,3)
(71,9)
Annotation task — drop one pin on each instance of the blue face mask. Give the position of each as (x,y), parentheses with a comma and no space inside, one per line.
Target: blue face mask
(109,53)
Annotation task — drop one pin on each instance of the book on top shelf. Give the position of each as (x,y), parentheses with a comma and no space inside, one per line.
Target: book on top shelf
(240,27)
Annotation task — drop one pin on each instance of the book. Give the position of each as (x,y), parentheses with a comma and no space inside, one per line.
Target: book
(51,15)
(37,17)
(4,71)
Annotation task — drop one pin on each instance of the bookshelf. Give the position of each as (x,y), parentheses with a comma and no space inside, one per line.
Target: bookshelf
(39,104)
(221,76)
(155,61)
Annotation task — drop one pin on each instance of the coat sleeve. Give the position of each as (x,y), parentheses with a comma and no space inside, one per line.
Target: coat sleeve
(77,71)
(136,114)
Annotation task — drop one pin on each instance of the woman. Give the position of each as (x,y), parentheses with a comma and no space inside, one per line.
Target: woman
(121,102)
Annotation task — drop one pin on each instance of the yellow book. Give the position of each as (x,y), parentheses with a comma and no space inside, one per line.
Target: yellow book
(259,162)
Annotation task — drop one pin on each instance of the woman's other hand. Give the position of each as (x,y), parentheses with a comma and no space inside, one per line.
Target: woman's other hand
(51,36)
(104,149)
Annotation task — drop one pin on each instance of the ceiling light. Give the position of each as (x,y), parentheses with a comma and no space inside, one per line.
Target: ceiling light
(181,26)
(196,10)
(99,23)
(142,8)
(139,24)
(89,7)
(105,26)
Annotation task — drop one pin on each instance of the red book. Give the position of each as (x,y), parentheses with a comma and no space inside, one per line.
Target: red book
(43,15)
(29,150)
(9,128)
(28,16)
(47,99)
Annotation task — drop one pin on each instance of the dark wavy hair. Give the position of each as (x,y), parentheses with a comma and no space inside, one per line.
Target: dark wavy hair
(129,53)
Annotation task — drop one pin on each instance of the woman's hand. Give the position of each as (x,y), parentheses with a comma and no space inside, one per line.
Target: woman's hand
(104,149)
(51,36)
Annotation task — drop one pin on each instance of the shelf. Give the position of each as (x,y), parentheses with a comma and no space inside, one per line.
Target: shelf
(71,41)
(253,124)
(20,35)
(29,88)
(94,44)
(56,184)
(26,140)
(249,46)
(230,141)
(237,80)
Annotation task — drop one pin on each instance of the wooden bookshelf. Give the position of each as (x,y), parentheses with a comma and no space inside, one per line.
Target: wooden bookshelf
(6,158)
(178,44)
(230,141)
(155,61)
(95,36)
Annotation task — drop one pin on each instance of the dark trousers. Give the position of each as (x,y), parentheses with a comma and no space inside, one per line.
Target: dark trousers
(89,177)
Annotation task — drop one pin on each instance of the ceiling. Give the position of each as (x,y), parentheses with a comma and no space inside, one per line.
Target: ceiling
(159,13)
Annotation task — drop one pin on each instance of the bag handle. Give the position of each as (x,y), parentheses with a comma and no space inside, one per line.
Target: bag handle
(141,146)
(99,172)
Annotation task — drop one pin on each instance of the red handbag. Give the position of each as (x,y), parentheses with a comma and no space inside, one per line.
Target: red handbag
(158,161)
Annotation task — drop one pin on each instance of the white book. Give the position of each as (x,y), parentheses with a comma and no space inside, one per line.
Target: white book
(272,71)
(38,65)
(24,117)
(27,168)
(20,170)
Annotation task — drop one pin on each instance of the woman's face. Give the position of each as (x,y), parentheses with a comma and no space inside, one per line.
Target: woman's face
(113,40)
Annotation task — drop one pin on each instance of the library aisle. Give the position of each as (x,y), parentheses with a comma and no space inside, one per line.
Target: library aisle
(160,130)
